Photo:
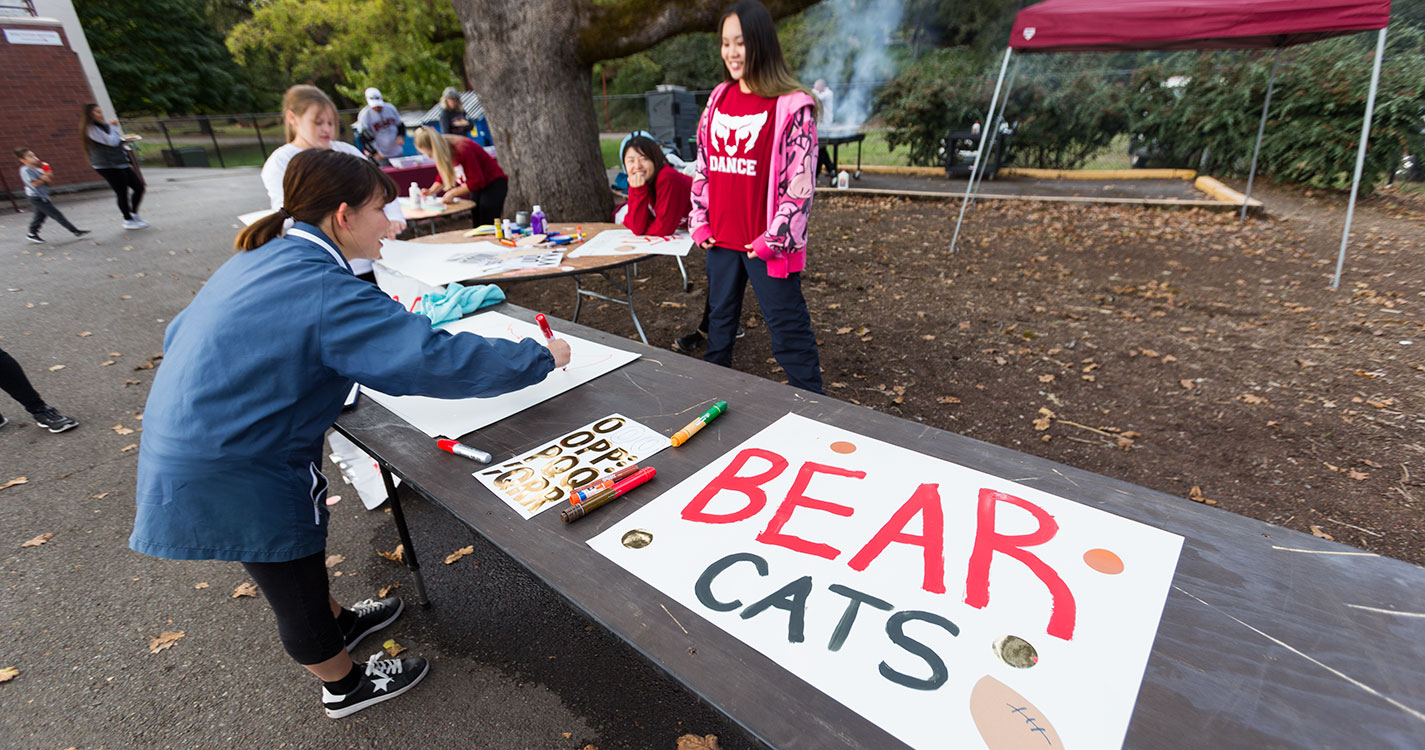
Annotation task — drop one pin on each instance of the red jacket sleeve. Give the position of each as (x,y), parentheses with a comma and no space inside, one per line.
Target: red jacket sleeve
(481,169)
(636,218)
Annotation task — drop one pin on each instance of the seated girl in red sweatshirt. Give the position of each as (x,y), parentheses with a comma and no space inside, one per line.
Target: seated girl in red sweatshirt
(659,196)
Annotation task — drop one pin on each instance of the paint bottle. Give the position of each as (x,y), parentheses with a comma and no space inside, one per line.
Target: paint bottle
(975,129)
(415,194)
(536,220)
(843,180)
(499,228)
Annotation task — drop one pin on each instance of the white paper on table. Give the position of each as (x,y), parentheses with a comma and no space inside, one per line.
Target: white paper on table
(824,517)
(453,418)
(432,263)
(542,478)
(625,242)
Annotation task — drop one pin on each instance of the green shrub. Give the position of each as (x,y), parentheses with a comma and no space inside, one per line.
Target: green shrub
(1314,124)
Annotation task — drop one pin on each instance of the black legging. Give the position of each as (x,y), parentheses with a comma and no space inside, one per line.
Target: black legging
(489,202)
(14,382)
(123,180)
(297,591)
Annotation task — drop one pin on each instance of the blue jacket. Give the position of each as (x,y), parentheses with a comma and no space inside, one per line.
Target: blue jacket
(254,373)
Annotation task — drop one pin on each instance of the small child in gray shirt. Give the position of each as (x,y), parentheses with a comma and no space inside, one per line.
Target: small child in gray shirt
(36,176)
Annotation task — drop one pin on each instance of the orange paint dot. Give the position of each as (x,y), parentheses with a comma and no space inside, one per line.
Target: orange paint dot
(1104,561)
(842,446)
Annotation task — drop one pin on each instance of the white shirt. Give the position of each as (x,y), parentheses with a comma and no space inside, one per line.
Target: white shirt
(383,125)
(828,102)
(276,168)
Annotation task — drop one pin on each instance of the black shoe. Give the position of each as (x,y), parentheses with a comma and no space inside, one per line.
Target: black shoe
(3,420)
(35,238)
(371,616)
(81,233)
(383,680)
(741,331)
(690,343)
(56,422)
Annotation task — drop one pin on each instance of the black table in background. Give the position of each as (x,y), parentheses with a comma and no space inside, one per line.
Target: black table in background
(1257,647)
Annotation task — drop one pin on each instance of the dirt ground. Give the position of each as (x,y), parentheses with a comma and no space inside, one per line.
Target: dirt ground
(1180,350)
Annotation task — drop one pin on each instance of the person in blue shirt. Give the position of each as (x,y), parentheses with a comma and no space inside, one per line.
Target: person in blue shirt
(255,371)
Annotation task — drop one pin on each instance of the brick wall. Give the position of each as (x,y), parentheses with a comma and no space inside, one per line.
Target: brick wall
(43,90)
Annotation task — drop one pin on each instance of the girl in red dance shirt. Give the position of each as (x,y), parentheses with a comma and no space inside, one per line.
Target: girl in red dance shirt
(752,193)
(659,196)
(466,171)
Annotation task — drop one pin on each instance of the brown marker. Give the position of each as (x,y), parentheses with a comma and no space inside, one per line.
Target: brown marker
(570,515)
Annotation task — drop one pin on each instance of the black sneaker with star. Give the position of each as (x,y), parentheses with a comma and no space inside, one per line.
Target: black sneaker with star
(371,616)
(50,418)
(382,680)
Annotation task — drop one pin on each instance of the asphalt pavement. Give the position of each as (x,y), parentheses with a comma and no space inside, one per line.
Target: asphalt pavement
(513,666)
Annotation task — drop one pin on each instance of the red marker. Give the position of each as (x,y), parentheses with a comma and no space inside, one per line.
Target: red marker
(569,515)
(544,326)
(460,449)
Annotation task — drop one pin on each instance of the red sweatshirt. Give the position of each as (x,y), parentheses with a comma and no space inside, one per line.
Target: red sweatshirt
(672,201)
(474,167)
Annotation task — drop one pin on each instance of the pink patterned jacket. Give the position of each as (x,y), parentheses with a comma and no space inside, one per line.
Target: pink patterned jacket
(784,244)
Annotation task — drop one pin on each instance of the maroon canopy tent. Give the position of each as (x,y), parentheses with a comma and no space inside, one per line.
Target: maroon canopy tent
(1117,25)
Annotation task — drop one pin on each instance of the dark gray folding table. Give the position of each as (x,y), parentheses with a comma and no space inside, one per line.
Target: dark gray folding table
(1269,638)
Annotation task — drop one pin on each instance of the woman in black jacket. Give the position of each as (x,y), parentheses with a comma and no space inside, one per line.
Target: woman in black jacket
(110,158)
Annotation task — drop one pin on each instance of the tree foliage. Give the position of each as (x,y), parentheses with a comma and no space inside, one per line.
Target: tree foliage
(162,57)
(1313,129)
(410,49)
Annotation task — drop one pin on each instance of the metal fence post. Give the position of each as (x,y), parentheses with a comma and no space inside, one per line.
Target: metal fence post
(166,137)
(258,129)
(212,134)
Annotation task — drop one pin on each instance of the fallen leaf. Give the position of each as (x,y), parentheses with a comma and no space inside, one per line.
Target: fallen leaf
(1046,378)
(15,481)
(126,296)
(1253,399)
(200,585)
(9,673)
(244,589)
(667,303)
(99,496)
(1371,463)
(1089,378)
(1187,384)
(843,330)
(84,334)
(392,647)
(928,337)
(129,447)
(37,541)
(164,640)
(383,592)
(128,383)
(1361,373)
(106,363)
(1169,359)
(694,742)
(122,430)
(1149,353)
(1317,532)
(397,555)
(1305,363)
(1358,475)
(456,555)
(1380,403)
(947,400)
(335,560)
(55,368)
(1195,494)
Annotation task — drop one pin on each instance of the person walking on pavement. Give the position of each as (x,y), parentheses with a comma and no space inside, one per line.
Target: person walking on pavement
(104,141)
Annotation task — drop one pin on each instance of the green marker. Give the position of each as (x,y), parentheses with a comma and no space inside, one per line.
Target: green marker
(697,424)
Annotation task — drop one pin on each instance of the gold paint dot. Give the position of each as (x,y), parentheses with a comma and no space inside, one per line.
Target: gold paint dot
(841,446)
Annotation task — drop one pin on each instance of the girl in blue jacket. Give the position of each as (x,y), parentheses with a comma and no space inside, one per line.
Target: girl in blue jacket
(254,373)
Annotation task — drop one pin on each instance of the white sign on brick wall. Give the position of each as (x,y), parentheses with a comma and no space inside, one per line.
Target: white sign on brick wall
(31,36)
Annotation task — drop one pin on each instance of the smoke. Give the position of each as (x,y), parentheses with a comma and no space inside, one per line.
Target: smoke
(853,57)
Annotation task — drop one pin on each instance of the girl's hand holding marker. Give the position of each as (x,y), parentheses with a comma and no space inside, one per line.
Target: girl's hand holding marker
(558,347)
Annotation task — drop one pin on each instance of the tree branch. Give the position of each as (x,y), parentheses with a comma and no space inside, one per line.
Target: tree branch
(618,29)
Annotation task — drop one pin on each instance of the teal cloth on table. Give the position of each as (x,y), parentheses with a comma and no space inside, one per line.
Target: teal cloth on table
(459,301)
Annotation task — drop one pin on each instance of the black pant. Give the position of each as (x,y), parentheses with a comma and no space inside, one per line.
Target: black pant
(128,188)
(14,382)
(297,591)
(489,202)
(783,307)
(43,208)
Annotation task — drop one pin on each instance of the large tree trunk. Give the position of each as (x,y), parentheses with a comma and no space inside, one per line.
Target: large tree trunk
(523,61)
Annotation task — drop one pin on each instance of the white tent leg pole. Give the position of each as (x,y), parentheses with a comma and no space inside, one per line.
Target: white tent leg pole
(979,152)
(1360,157)
(1262,128)
(994,131)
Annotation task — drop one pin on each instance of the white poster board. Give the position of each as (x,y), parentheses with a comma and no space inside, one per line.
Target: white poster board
(542,478)
(440,264)
(625,242)
(891,580)
(455,417)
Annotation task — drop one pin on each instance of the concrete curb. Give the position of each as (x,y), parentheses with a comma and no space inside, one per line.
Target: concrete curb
(1215,205)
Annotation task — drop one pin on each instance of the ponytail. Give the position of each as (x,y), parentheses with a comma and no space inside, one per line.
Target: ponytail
(317,182)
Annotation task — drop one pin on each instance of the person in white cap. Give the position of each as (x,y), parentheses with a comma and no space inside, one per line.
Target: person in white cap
(380,127)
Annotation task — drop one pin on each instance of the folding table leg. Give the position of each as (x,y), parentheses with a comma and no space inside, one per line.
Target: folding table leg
(410,550)
(628,291)
(578,298)
(683,270)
